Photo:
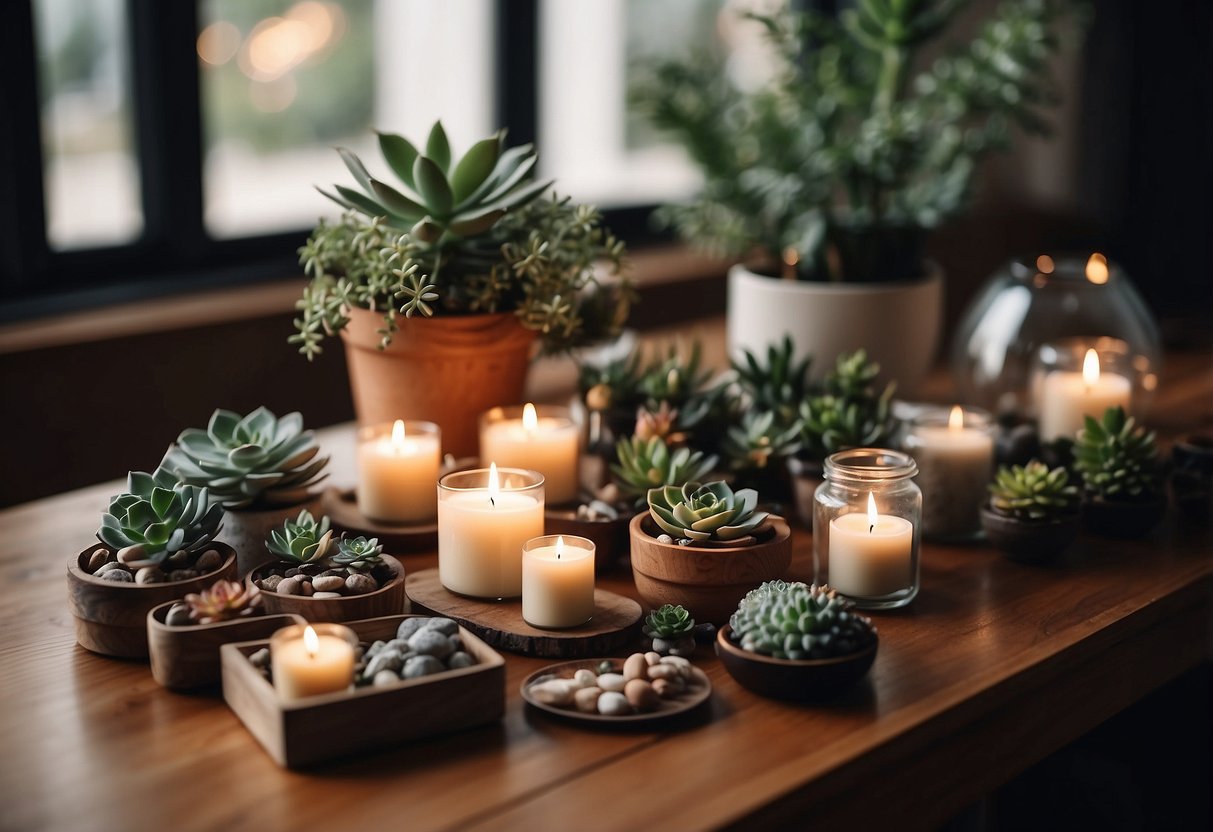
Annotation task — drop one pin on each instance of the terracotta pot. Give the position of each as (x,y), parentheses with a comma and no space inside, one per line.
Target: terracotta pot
(446,369)
(806,476)
(1026,541)
(188,657)
(709,582)
(389,599)
(246,531)
(1122,518)
(111,617)
(804,680)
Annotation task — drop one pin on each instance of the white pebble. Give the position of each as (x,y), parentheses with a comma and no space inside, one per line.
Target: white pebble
(613,703)
(613,682)
(558,692)
(585,678)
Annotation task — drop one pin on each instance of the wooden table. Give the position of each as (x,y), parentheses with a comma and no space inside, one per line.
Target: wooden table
(994,666)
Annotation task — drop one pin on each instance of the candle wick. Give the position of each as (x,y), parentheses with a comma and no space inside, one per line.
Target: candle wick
(492,502)
(871,527)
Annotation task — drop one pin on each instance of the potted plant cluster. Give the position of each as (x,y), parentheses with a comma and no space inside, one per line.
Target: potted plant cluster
(1122,487)
(1033,512)
(827,179)
(157,544)
(260,467)
(440,283)
(796,642)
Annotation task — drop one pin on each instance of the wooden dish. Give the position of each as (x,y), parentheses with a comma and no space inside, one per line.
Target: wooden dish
(696,693)
(307,731)
(708,581)
(188,657)
(111,617)
(1124,519)
(341,506)
(389,599)
(806,680)
(1027,541)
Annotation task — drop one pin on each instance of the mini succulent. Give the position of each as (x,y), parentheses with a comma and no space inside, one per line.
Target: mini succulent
(360,553)
(256,461)
(797,621)
(779,384)
(672,630)
(847,413)
(223,601)
(1118,460)
(613,384)
(710,511)
(760,442)
(1033,492)
(645,464)
(302,540)
(158,516)
(661,421)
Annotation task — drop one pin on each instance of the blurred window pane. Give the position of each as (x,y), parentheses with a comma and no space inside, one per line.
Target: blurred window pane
(90,171)
(284,82)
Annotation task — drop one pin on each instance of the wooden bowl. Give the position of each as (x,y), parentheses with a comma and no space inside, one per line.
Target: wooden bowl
(1029,542)
(389,599)
(188,657)
(610,536)
(708,581)
(111,617)
(1123,519)
(796,680)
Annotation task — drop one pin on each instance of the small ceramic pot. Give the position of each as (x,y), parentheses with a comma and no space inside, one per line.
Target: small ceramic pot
(1192,476)
(708,581)
(806,476)
(246,531)
(797,680)
(389,599)
(1122,519)
(1027,541)
(610,536)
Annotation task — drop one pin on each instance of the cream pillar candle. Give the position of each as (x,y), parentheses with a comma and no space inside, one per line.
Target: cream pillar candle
(310,660)
(544,440)
(871,554)
(557,581)
(397,471)
(484,518)
(1066,397)
(955,462)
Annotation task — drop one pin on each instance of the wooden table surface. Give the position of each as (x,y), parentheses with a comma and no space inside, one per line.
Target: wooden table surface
(994,666)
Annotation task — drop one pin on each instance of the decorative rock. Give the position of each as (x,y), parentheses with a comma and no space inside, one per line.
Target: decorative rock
(289,586)
(612,682)
(182,575)
(432,643)
(460,659)
(605,666)
(398,644)
(456,642)
(209,561)
(446,626)
(652,658)
(326,595)
(118,576)
(558,692)
(292,572)
(664,538)
(586,699)
(683,665)
(635,667)
(108,567)
(97,559)
(375,648)
(360,584)
(178,616)
(261,658)
(384,678)
(149,575)
(665,671)
(305,588)
(666,688)
(384,660)
(585,678)
(334,573)
(421,666)
(409,626)
(178,558)
(270,582)
(641,695)
(328,583)
(613,703)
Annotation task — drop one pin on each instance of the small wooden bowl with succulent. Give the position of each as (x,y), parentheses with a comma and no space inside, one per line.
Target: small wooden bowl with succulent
(1123,493)
(1032,514)
(324,578)
(157,544)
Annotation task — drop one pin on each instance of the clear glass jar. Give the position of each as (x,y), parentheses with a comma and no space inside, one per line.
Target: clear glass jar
(866,527)
(1081,377)
(955,450)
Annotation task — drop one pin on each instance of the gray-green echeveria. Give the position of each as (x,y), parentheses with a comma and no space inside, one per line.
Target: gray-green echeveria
(710,511)
(158,516)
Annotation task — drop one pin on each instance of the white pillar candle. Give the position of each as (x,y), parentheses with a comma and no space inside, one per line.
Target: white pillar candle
(482,526)
(307,661)
(1066,397)
(955,463)
(397,472)
(871,555)
(546,441)
(558,581)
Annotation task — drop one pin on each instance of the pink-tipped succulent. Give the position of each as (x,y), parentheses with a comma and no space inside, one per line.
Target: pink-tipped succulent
(661,422)
(224,601)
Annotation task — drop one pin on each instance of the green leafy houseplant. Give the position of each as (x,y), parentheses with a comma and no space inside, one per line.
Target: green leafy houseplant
(467,235)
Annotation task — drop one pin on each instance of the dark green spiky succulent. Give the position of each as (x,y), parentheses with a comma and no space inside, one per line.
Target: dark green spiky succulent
(359,553)
(1033,492)
(256,461)
(710,511)
(1118,459)
(158,516)
(302,540)
(760,442)
(645,464)
(797,621)
(670,621)
(848,413)
(777,384)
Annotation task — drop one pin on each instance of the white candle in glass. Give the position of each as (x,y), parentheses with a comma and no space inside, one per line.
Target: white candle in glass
(397,472)
(870,553)
(1066,397)
(955,463)
(558,581)
(307,663)
(536,440)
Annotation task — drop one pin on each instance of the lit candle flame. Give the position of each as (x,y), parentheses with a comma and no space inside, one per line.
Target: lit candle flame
(872,516)
(398,434)
(494,486)
(1090,369)
(530,419)
(956,419)
(559,546)
(1097,269)
(311,642)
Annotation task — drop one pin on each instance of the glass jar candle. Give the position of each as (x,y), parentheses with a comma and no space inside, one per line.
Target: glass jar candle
(1080,377)
(954,451)
(866,527)
(557,581)
(398,465)
(543,439)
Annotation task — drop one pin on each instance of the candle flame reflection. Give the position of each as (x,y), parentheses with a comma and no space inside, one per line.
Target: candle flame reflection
(871,512)
(956,419)
(530,419)
(494,485)
(559,546)
(311,642)
(1090,368)
(1097,269)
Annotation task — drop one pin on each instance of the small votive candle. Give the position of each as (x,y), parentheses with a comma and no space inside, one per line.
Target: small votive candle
(543,439)
(1067,396)
(397,469)
(307,660)
(557,581)
(955,455)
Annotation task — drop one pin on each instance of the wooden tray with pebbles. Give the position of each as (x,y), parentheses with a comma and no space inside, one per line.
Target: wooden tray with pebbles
(644,687)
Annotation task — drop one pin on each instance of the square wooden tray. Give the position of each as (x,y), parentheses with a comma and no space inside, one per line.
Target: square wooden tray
(335,724)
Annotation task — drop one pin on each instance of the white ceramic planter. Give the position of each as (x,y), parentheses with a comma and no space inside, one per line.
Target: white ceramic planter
(897,323)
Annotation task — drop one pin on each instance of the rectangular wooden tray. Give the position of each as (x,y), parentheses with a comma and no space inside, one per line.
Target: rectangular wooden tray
(332,725)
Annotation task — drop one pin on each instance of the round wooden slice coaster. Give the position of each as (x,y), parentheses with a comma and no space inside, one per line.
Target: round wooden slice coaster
(341,506)
(615,625)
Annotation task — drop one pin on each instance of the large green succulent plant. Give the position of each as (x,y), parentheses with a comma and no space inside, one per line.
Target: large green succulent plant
(1117,458)
(256,461)
(711,511)
(302,540)
(1033,492)
(158,516)
(796,621)
(645,464)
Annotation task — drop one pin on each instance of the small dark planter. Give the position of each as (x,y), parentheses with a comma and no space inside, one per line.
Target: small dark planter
(1126,519)
(1192,476)
(1027,541)
(807,680)
(806,475)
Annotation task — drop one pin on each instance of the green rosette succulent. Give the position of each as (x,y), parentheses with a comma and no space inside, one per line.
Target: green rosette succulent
(709,511)
(1033,492)
(302,540)
(1118,459)
(257,461)
(645,464)
(796,621)
(669,622)
(360,553)
(778,383)
(759,442)
(848,412)
(158,516)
